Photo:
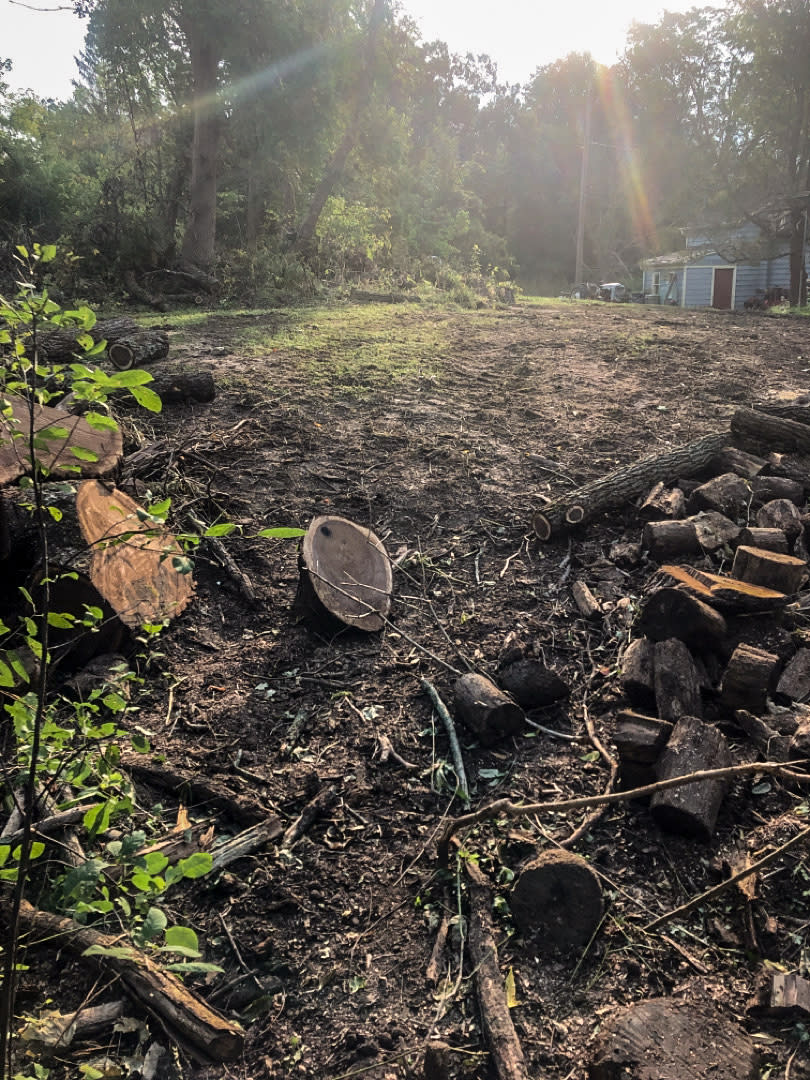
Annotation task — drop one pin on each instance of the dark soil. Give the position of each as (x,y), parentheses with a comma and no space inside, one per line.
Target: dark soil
(447,467)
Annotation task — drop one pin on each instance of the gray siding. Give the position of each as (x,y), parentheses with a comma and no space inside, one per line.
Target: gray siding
(698,287)
(750,277)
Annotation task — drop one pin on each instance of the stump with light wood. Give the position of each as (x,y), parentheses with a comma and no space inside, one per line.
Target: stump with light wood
(769,569)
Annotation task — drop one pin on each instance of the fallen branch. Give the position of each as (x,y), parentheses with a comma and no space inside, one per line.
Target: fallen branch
(195,790)
(225,560)
(715,890)
(245,843)
(323,801)
(198,1029)
(506,808)
(450,728)
(504,1045)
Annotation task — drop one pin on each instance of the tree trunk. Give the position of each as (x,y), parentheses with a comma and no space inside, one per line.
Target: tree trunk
(200,235)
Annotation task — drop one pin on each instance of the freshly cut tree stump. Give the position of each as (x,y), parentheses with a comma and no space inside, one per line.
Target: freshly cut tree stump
(767,539)
(795,680)
(670,539)
(532,684)
(693,808)
(781,514)
(345,572)
(661,1038)
(58,433)
(637,672)
(624,484)
(556,900)
(133,558)
(727,593)
(728,494)
(748,678)
(732,460)
(677,682)
(139,349)
(486,710)
(663,504)
(769,569)
(768,488)
(672,613)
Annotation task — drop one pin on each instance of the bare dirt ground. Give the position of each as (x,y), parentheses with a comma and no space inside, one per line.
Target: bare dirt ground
(446,463)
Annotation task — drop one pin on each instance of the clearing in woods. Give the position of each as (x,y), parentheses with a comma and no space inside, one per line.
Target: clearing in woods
(443,432)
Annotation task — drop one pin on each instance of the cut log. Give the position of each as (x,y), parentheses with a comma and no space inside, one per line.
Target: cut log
(556,901)
(666,1038)
(727,593)
(795,681)
(691,809)
(677,682)
(772,745)
(769,569)
(532,684)
(55,1032)
(768,488)
(57,434)
(767,539)
(732,460)
(797,409)
(728,494)
(637,672)
(640,739)
(589,607)
(625,553)
(62,344)
(674,613)
(139,349)
(183,387)
(486,710)
(781,514)
(670,539)
(196,1026)
(345,573)
(774,432)
(624,484)
(714,530)
(748,679)
(133,557)
(663,504)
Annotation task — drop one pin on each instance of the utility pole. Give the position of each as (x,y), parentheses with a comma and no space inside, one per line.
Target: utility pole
(583,185)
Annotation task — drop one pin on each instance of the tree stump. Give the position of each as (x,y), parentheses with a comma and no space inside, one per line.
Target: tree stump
(769,569)
(556,900)
(486,710)
(676,680)
(748,678)
(345,573)
(672,613)
(137,349)
(532,684)
(693,808)
(665,1038)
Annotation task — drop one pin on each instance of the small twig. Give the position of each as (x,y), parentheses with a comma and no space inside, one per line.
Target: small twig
(433,973)
(387,751)
(450,728)
(710,894)
(322,802)
(612,764)
(506,808)
(562,735)
(233,944)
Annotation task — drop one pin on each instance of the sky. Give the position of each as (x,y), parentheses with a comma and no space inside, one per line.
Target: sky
(42,39)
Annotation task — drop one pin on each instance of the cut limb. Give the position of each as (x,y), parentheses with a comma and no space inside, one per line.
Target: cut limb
(672,613)
(504,1045)
(486,710)
(198,1029)
(61,344)
(677,683)
(139,349)
(56,452)
(776,432)
(693,808)
(727,594)
(670,539)
(132,563)
(624,484)
(663,504)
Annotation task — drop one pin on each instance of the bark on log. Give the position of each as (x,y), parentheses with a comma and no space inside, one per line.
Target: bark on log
(728,494)
(732,460)
(772,745)
(665,1038)
(486,710)
(184,387)
(768,488)
(504,1045)
(200,1030)
(781,514)
(795,680)
(714,530)
(691,809)
(556,900)
(766,429)
(315,808)
(132,563)
(640,738)
(670,539)
(245,843)
(139,349)
(61,344)
(799,413)
(749,678)
(345,573)
(532,684)
(57,1031)
(767,539)
(209,794)
(624,484)
(672,613)
(56,453)
(663,504)
(589,607)
(677,683)
(726,593)
(769,569)
(637,672)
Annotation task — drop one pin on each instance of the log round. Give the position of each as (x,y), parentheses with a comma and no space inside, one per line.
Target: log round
(346,573)
(556,900)
(486,710)
(769,569)
(139,349)
(672,613)
(532,684)
(691,809)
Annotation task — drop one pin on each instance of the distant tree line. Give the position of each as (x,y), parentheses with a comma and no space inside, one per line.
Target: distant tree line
(275,145)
